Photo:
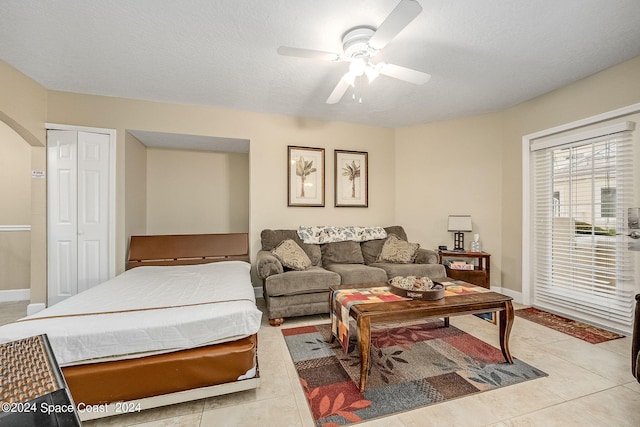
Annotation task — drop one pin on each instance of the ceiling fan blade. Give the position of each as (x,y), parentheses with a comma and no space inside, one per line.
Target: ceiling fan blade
(405,74)
(405,12)
(338,92)
(308,53)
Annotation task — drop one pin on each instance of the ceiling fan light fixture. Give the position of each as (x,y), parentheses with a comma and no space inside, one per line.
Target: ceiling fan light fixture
(356,42)
(372,72)
(359,45)
(357,67)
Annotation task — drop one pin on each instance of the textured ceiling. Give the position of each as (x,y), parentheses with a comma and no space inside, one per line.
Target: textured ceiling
(483,56)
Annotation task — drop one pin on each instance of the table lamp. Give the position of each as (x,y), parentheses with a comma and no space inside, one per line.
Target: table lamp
(459,224)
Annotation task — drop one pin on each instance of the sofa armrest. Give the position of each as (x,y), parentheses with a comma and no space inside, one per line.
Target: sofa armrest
(426,256)
(267,265)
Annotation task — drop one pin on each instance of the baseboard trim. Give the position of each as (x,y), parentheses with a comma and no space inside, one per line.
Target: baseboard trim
(12,295)
(517,296)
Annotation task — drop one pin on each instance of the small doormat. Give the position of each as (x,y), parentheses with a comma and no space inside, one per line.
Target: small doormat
(571,327)
(412,366)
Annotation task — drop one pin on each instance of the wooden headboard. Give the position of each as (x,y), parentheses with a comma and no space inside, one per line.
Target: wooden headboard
(184,249)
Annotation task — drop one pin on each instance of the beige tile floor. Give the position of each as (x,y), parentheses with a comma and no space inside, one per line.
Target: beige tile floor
(588,385)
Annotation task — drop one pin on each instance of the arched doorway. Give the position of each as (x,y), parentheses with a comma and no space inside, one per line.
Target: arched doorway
(15,215)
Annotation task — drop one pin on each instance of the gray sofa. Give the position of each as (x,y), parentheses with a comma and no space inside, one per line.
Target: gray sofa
(290,293)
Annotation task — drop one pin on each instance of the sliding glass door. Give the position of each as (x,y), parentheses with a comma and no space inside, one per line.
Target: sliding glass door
(582,265)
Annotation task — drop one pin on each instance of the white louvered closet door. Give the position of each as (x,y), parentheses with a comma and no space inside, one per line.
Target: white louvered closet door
(77,211)
(582,265)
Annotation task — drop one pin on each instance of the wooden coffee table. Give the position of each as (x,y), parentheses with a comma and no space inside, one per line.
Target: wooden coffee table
(473,303)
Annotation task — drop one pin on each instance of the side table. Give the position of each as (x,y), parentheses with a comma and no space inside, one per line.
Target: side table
(480,275)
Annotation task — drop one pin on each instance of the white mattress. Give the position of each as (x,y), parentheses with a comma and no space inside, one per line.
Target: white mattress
(209,303)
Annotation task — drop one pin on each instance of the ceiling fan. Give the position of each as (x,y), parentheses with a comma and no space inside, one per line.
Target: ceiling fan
(361,44)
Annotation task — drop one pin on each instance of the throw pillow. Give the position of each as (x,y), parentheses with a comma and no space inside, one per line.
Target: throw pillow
(398,251)
(272,238)
(291,255)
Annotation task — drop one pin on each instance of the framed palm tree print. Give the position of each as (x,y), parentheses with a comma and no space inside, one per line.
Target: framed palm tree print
(305,175)
(352,170)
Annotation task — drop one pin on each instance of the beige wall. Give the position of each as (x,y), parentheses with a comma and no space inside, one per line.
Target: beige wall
(15,178)
(23,104)
(15,197)
(269,136)
(451,168)
(608,90)
(197,192)
(15,254)
(38,257)
(135,187)
(474,165)
(495,189)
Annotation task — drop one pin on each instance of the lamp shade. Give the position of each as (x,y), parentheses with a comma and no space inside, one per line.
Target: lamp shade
(459,223)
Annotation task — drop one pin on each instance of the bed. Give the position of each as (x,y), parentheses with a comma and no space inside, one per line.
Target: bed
(180,324)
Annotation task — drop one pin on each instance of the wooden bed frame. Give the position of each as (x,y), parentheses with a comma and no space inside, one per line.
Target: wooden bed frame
(166,379)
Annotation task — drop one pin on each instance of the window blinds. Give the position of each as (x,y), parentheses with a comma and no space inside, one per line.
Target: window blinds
(581,265)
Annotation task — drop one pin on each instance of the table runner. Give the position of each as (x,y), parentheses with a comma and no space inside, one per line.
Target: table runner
(342,300)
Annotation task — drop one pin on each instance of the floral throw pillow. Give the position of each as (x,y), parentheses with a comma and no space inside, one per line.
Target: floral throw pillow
(291,255)
(398,251)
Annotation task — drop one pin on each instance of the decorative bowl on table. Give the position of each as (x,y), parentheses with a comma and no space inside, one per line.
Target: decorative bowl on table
(413,287)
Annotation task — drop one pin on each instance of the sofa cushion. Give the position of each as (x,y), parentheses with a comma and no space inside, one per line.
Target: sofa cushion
(371,250)
(398,231)
(348,252)
(291,255)
(398,251)
(272,238)
(358,273)
(432,271)
(292,282)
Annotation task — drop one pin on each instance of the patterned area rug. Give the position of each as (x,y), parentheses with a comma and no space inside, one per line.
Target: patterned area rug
(568,326)
(412,366)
